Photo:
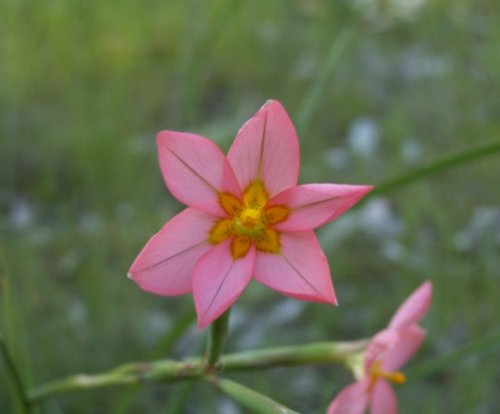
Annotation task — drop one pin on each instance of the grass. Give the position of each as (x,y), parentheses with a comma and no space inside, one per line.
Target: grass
(85,86)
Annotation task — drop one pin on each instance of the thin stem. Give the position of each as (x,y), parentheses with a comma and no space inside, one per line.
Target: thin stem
(11,368)
(195,368)
(131,373)
(217,339)
(442,164)
(314,353)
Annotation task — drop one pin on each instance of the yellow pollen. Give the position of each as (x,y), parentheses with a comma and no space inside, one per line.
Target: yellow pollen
(250,217)
(377,372)
(249,221)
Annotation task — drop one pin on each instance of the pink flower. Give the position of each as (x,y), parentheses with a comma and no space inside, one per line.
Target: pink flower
(387,352)
(246,217)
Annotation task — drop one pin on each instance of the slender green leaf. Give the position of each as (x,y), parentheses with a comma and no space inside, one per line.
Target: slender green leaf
(253,400)
(442,164)
(16,364)
(13,372)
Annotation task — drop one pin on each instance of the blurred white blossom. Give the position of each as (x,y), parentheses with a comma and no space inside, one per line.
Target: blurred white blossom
(363,137)
(484,221)
(21,214)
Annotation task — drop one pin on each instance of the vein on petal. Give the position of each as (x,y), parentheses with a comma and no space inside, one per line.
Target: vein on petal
(315,203)
(261,152)
(170,257)
(193,171)
(300,274)
(220,287)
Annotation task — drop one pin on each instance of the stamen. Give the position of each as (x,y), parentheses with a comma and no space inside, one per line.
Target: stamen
(230,204)
(222,229)
(268,240)
(395,377)
(255,195)
(275,214)
(240,246)
(248,222)
(250,217)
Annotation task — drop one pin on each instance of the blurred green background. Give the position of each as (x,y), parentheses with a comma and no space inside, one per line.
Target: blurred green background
(376,89)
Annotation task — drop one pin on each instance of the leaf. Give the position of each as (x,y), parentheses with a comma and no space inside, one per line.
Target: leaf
(253,400)
(442,164)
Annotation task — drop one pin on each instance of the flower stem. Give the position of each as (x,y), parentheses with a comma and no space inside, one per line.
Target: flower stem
(314,353)
(216,339)
(445,163)
(196,368)
(16,377)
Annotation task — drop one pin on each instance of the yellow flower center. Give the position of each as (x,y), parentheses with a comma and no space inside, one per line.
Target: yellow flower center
(249,221)
(377,372)
(249,218)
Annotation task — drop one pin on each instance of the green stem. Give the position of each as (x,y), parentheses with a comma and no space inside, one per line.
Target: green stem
(442,164)
(131,373)
(314,353)
(11,368)
(195,368)
(216,339)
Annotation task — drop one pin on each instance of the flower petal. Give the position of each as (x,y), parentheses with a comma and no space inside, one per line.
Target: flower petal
(408,343)
(383,399)
(378,347)
(300,270)
(219,280)
(353,399)
(195,170)
(166,263)
(414,308)
(266,148)
(312,205)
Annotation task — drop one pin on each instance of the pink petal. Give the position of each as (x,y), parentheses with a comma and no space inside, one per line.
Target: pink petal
(383,399)
(414,308)
(378,347)
(266,148)
(195,170)
(165,265)
(313,205)
(408,343)
(353,399)
(219,280)
(300,270)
